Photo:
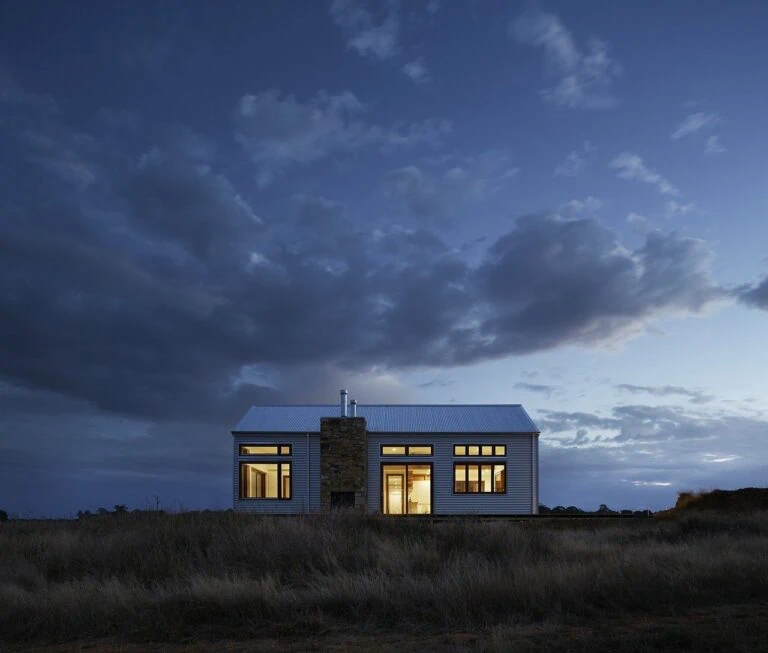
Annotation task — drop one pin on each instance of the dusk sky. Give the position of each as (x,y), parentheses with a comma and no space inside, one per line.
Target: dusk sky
(205,206)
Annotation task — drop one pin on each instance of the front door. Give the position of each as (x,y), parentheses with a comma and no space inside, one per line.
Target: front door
(406,489)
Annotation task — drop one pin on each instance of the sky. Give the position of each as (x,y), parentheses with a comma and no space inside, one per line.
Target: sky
(205,206)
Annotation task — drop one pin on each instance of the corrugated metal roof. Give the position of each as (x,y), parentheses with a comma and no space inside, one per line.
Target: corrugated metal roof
(404,418)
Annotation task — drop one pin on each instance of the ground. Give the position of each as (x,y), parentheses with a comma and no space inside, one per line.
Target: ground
(695,580)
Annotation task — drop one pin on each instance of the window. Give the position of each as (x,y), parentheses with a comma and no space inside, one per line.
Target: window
(495,450)
(406,489)
(480,478)
(265,449)
(265,480)
(406,450)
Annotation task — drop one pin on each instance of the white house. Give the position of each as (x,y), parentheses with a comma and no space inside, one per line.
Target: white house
(393,459)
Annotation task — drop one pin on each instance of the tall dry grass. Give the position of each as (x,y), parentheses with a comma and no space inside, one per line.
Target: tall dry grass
(222,575)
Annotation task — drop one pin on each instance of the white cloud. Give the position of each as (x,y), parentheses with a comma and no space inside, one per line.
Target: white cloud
(719,458)
(278,131)
(430,193)
(640,223)
(584,77)
(631,166)
(71,156)
(674,209)
(575,162)
(571,166)
(695,122)
(589,204)
(369,37)
(417,71)
(714,146)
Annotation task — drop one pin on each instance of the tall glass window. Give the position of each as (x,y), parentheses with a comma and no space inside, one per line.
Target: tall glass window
(265,480)
(479,478)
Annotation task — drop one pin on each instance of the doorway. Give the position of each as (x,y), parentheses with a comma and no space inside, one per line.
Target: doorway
(406,489)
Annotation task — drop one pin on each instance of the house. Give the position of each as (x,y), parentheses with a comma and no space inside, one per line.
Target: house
(393,459)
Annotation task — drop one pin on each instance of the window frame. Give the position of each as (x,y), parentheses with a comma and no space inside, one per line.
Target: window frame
(406,514)
(279,446)
(479,466)
(479,453)
(280,464)
(407,453)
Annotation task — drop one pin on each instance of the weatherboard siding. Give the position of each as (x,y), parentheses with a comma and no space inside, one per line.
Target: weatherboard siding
(304,473)
(521,459)
(535,472)
(521,482)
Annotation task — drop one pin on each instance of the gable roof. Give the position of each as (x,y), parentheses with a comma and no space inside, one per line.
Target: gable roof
(402,418)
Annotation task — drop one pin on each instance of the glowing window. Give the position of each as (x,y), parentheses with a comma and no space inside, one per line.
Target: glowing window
(265,480)
(406,450)
(265,449)
(479,478)
(490,450)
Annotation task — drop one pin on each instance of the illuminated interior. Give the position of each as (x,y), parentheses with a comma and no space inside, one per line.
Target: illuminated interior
(406,450)
(479,478)
(265,449)
(265,480)
(479,450)
(406,489)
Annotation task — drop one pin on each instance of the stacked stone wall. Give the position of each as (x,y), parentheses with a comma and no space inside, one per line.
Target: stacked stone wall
(343,460)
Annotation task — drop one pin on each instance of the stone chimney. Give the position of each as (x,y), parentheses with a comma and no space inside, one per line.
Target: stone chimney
(343,463)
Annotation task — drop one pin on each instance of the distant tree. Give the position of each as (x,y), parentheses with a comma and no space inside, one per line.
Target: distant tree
(605,510)
(543,510)
(102,511)
(83,514)
(3,515)
(626,512)
(573,510)
(120,508)
(558,510)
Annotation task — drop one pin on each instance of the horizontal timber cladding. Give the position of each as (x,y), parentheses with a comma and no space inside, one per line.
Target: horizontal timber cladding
(535,472)
(305,473)
(520,460)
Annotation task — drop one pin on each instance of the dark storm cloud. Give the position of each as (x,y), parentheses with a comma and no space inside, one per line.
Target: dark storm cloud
(756,295)
(551,281)
(149,289)
(153,306)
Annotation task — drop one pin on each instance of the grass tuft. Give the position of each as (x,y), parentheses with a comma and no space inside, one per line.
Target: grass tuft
(221,575)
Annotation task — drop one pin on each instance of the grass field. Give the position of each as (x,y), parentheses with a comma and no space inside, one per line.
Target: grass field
(183,582)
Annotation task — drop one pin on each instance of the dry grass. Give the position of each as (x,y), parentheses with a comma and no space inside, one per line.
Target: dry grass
(225,576)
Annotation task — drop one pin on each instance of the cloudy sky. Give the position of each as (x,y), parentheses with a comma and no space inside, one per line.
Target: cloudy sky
(208,205)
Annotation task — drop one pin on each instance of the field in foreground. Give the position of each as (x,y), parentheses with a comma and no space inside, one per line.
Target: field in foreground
(698,582)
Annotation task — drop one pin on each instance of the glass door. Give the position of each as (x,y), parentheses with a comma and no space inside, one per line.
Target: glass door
(394,497)
(406,489)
